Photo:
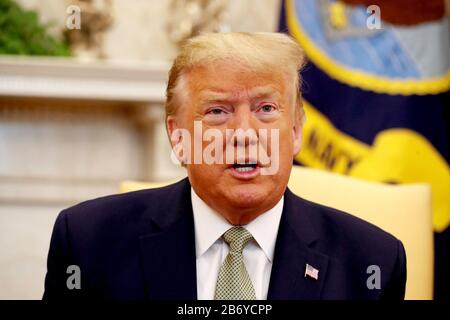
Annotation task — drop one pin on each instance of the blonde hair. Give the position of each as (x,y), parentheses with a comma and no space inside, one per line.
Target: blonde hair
(250,50)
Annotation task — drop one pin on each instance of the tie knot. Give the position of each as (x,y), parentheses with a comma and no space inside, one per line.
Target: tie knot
(237,238)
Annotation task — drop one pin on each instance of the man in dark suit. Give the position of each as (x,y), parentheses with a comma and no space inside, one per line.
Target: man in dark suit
(232,229)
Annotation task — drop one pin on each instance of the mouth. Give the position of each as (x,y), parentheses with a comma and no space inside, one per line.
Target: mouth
(244,167)
(244,171)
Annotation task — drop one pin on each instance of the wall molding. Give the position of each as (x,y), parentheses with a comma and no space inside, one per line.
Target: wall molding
(74,79)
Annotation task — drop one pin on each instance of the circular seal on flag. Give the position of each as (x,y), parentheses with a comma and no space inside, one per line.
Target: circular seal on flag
(351,42)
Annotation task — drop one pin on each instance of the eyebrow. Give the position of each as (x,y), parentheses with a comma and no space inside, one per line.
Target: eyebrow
(257,92)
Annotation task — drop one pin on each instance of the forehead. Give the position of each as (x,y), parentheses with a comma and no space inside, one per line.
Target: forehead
(225,78)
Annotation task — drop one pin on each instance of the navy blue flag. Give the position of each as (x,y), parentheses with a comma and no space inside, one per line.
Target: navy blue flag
(376,95)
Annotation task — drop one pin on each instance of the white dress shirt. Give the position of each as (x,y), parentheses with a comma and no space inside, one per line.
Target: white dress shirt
(211,250)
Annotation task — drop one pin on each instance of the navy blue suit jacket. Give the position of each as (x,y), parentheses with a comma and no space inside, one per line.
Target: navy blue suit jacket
(141,245)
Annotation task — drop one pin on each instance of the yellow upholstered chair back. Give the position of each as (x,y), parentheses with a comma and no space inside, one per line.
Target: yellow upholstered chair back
(402,210)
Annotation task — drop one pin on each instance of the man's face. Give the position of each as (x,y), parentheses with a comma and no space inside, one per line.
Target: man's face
(224,98)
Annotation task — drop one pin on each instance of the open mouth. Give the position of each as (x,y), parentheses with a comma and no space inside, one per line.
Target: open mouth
(244,167)
(245,171)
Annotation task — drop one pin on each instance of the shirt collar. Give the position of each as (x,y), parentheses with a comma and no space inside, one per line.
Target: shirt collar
(210,226)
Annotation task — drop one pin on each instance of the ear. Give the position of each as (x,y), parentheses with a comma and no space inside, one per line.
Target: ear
(180,148)
(171,125)
(297,130)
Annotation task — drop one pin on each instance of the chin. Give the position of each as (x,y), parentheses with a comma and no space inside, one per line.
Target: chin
(247,195)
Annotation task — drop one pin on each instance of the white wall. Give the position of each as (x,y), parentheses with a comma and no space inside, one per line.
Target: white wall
(139,30)
(24,239)
(53,155)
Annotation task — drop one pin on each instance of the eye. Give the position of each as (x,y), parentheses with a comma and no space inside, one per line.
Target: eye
(216,111)
(267,108)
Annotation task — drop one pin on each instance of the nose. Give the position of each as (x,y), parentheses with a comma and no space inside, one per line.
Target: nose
(242,118)
(244,127)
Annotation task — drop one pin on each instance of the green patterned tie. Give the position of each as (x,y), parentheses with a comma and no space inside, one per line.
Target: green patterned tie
(233,282)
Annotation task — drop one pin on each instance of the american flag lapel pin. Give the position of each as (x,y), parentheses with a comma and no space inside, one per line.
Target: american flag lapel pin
(311,272)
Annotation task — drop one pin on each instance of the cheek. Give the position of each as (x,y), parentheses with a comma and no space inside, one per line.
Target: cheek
(285,138)
(201,176)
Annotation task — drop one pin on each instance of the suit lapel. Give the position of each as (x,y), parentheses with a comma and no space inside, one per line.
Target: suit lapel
(168,257)
(293,251)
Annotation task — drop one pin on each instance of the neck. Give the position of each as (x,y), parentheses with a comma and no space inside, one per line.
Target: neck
(236,215)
